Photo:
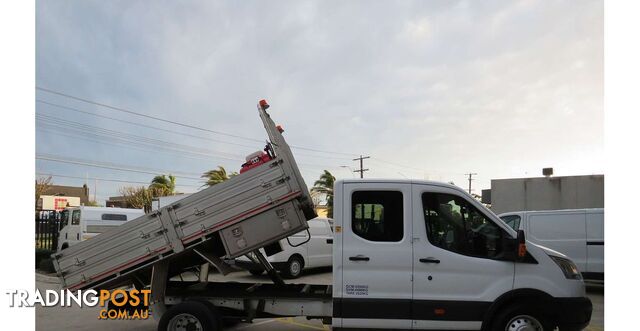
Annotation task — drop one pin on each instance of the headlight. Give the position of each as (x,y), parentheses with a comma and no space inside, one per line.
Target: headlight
(569,269)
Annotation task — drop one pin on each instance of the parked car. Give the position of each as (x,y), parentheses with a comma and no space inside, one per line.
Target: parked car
(578,233)
(315,253)
(82,223)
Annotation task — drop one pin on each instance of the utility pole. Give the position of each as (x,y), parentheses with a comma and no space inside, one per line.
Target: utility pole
(470,179)
(362,170)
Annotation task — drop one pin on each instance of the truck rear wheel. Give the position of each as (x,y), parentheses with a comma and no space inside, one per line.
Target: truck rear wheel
(521,317)
(190,316)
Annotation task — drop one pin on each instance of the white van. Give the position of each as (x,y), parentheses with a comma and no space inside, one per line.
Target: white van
(82,223)
(578,233)
(314,253)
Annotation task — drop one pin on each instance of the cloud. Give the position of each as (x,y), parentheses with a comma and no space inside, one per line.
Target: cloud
(487,87)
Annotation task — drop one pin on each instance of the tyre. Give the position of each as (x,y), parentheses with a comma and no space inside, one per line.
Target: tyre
(190,315)
(256,272)
(294,267)
(521,317)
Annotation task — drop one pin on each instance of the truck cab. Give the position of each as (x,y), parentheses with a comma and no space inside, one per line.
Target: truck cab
(426,255)
(82,223)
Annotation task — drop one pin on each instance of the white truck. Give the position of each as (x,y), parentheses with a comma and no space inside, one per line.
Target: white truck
(407,255)
(84,222)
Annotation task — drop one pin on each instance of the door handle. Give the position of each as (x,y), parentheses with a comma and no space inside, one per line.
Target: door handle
(429,260)
(359,258)
(329,241)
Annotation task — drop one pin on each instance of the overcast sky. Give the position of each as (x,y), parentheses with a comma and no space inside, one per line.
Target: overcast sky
(428,89)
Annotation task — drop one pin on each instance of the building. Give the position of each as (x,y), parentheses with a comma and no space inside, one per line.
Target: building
(545,193)
(69,191)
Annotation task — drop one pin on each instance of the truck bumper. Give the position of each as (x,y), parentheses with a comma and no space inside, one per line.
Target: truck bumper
(572,313)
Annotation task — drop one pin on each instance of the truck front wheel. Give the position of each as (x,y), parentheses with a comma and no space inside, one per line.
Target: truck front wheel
(190,315)
(521,317)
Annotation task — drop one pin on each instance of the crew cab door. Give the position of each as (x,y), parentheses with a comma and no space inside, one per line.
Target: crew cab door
(457,250)
(376,256)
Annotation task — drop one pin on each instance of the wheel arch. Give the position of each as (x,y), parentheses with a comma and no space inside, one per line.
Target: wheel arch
(534,296)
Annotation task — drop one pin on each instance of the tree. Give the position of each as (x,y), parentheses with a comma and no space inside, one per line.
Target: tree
(325,185)
(163,185)
(217,176)
(137,197)
(42,186)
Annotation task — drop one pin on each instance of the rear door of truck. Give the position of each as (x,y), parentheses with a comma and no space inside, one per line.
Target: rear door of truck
(376,256)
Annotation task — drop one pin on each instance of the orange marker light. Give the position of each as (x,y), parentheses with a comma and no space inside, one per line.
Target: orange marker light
(522,250)
(439,311)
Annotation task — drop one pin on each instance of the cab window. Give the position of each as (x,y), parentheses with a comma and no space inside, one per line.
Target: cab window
(513,221)
(454,224)
(114,217)
(377,215)
(75,217)
(64,218)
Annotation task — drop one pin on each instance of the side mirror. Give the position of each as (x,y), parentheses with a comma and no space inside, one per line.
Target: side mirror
(522,246)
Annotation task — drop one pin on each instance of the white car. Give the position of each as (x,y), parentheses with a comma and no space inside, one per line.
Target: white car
(315,253)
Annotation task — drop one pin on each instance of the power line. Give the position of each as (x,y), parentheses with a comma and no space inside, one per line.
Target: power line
(424,171)
(140,124)
(143,115)
(113,166)
(97,131)
(132,145)
(104,179)
(172,131)
(175,122)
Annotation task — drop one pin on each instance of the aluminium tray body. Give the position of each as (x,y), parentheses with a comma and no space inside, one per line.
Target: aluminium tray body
(250,210)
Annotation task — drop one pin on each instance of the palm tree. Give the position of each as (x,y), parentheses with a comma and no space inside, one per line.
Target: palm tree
(164,185)
(217,176)
(325,185)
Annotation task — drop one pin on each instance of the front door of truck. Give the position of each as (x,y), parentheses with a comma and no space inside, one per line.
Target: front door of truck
(376,257)
(457,251)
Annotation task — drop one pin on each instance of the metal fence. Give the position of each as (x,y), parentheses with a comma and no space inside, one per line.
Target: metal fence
(48,224)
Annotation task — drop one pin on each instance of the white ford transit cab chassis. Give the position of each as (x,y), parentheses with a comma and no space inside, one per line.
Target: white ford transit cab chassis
(407,255)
